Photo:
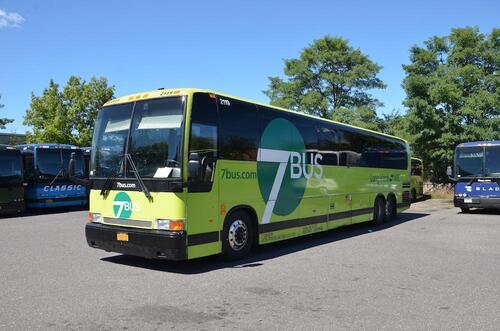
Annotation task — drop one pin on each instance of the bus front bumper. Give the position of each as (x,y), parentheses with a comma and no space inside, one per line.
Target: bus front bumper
(152,244)
(13,207)
(477,202)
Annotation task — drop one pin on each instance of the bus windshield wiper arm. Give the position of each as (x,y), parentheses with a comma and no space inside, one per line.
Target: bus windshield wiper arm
(138,177)
(107,183)
(110,179)
(61,170)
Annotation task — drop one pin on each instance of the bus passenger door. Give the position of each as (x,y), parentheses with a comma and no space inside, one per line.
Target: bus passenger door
(202,197)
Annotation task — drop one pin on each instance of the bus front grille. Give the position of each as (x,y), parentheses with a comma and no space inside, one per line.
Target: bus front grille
(127,222)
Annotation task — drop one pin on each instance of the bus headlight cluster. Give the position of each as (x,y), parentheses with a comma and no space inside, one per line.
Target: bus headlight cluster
(461,194)
(171,225)
(95,218)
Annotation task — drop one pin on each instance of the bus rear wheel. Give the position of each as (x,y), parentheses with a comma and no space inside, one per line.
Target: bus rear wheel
(390,208)
(379,211)
(237,236)
(413,195)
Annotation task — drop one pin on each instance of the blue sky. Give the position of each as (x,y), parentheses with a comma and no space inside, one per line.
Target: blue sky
(230,46)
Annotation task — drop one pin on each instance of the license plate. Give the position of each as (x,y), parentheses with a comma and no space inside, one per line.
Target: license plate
(468,200)
(122,236)
(49,201)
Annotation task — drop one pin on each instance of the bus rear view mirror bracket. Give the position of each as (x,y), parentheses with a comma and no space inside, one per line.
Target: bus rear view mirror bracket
(449,173)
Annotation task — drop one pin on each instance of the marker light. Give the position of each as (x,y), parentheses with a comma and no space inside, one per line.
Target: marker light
(171,225)
(95,218)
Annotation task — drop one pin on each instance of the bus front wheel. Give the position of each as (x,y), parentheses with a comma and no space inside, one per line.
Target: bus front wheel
(237,236)
(464,210)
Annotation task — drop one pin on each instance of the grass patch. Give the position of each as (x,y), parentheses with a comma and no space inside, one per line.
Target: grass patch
(439,191)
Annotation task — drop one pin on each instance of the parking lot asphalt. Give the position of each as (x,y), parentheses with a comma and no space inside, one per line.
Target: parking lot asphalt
(433,268)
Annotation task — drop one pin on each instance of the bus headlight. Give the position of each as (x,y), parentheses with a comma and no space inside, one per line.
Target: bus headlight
(171,225)
(95,218)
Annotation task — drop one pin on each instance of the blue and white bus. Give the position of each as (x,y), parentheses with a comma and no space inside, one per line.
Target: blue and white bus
(46,172)
(86,161)
(476,171)
(11,181)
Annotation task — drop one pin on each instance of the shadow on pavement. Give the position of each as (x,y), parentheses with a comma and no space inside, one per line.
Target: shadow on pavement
(480,211)
(423,198)
(45,211)
(264,252)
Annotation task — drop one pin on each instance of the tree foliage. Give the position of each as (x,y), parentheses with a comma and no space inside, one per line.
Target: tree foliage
(67,116)
(452,94)
(4,121)
(330,79)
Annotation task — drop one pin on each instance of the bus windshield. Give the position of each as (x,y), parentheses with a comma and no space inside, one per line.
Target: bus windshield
(478,161)
(469,161)
(10,164)
(51,162)
(153,130)
(492,161)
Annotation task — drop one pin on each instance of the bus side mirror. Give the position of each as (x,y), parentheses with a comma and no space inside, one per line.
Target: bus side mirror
(71,165)
(194,166)
(449,173)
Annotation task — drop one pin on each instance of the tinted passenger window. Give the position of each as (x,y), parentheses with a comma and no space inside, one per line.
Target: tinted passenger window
(307,129)
(327,144)
(350,146)
(204,109)
(203,142)
(416,168)
(204,125)
(239,130)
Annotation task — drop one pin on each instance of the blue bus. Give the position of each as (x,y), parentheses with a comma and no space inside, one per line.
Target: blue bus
(476,171)
(11,181)
(86,160)
(46,172)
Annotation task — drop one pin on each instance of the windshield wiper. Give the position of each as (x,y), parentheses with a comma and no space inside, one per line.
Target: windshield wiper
(108,183)
(138,177)
(61,170)
(110,179)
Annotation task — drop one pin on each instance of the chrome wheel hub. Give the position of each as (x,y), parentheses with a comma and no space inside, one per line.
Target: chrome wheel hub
(238,235)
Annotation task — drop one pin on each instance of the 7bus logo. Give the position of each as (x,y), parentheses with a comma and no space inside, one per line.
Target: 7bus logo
(123,206)
(283,170)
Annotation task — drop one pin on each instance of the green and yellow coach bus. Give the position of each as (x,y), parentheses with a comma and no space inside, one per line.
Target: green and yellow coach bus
(417,179)
(186,173)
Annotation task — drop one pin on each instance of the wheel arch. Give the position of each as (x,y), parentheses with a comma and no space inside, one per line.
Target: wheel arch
(253,216)
(379,196)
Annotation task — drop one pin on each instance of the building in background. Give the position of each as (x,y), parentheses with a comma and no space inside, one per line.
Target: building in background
(12,138)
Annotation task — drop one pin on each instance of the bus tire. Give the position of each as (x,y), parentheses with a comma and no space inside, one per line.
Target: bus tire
(379,211)
(465,210)
(237,235)
(390,208)
(413,195)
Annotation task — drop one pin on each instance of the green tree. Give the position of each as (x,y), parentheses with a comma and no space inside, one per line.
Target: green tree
(4,121)
(364,117)
(67,116)
(452,94)
(395,123)
(330,79)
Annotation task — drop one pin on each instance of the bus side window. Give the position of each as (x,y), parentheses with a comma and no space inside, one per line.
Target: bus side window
(239,130)
(327,144)
(203,142)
